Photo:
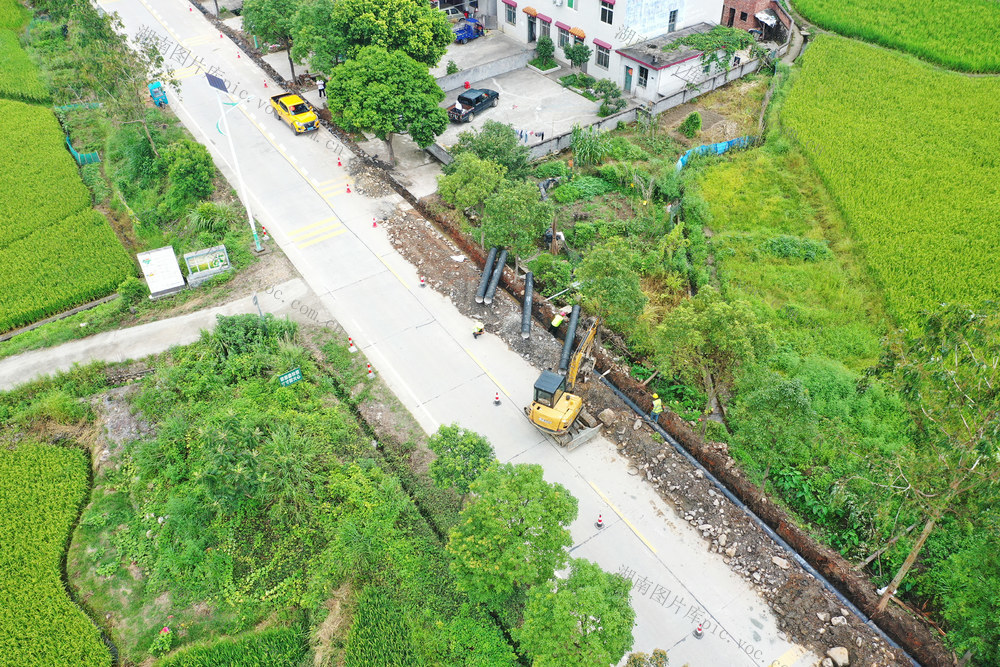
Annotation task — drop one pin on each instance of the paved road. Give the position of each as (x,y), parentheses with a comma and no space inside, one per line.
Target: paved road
(420,345)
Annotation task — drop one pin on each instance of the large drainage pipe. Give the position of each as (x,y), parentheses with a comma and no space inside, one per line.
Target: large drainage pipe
(495,280)
(574,318)
(529,293)
(487,272)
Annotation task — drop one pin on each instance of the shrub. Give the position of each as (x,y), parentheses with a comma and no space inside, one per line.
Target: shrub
(379,634)
(620,148)
(589,145)
(611,96)
(583,187)
(132,291)
(691,125)
(496,142)
(94,179)
(452,67)
(551,169)
(214,217)
(582,235)
(545,48)
(552,274)
(163,642)
(191,172)
(577,54)
(795,247)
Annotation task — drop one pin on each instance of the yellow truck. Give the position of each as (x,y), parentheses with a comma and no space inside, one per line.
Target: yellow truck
(295,111)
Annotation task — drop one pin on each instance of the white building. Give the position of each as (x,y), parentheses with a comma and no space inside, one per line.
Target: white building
(617,32)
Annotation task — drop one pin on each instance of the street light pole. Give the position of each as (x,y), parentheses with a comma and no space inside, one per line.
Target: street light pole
(220,85)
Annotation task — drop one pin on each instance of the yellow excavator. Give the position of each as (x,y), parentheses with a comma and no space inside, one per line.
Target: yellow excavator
(558,412)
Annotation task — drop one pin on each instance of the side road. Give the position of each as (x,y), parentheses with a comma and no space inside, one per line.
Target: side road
(292,298)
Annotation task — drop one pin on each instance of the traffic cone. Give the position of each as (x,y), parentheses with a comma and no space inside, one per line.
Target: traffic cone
(698,632)
(338,162)
(238,56)
(496,400)
(220,36)
(265,83)
(264,233)
(371,373)
(600,521)
(350,346)
(348,188)
(374,223)
(423,282)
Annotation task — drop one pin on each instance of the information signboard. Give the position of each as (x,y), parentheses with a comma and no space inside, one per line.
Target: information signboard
(161,271)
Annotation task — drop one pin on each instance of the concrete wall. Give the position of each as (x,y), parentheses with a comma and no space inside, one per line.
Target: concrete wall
(485,70)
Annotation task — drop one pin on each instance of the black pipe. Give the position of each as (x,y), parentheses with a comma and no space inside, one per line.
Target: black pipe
(574,318)
(529,293)
(487,272)
(495,280)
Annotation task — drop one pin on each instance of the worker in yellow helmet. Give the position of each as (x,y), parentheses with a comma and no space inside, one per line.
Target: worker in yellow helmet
(657,408)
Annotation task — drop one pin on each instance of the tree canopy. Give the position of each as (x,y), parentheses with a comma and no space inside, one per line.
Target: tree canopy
(386,93)
(497,142)
(462,456)
(273,21)
(515,217)
(584,620)
(611,286)
(470,182)
(512,535)
(340,30)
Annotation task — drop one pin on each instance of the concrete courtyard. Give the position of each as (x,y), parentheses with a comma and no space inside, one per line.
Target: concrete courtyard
(528,101)
(492,46)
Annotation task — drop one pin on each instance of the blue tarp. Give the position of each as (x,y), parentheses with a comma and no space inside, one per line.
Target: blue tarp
(718,149)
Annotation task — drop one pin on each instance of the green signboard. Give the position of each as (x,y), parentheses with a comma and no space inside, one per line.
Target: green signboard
(291,377)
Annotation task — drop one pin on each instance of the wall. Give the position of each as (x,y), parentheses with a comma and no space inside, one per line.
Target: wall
(485,70)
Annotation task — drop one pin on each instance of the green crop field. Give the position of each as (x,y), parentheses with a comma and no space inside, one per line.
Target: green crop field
(41,184)
(60,266)
(12,15)
(909,153)
(18,75)
(960,34)
(41,488)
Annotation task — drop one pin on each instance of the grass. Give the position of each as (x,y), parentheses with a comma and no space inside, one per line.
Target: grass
(908,152)
(824,307)
(41,489)
(18,75)
(959,34)
(544,64)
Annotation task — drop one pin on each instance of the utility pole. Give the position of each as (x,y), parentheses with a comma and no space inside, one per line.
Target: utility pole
(220,85)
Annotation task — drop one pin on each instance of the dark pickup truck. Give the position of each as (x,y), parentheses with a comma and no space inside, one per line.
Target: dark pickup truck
(472,102)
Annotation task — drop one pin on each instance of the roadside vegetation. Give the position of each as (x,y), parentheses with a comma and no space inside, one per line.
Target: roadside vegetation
(959,34)
(748,297)
(246,518)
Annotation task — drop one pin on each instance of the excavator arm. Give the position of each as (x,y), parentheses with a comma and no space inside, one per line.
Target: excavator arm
(581,353)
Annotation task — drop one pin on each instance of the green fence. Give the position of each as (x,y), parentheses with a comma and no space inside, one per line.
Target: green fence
(83,158)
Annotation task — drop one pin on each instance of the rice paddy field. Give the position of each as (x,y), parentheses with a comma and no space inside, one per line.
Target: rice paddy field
(959,34)
(909,152)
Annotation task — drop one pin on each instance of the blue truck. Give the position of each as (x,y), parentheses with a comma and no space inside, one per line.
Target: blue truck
(468,29)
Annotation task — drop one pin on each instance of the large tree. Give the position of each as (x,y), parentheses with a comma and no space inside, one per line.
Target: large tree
(387,93)
(515,217)
(513,534)
(705,339)
(462,456)
(584,620)
(272,21)
(610,284)
(470,182)
(334,30)
(950,375)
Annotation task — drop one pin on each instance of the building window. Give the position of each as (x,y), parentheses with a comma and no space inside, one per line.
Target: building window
(577,40)
(563,37)
(607,12)
(543,29)
(643,77)
(672,24)
(511,15)
(603,57)
(743,16)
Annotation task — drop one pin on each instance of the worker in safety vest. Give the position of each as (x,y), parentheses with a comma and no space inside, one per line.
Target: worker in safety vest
(560,316)
(477,330)
(657,408)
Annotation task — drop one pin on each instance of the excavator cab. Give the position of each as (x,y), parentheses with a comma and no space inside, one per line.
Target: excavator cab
(553,408)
